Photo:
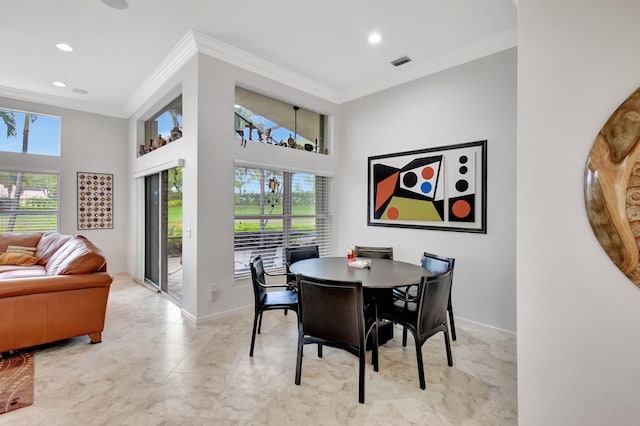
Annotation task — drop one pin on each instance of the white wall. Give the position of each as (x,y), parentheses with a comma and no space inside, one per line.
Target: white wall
(218,150)
(185,82)
(210,150)
(89,143)
(578,315)
(472,102)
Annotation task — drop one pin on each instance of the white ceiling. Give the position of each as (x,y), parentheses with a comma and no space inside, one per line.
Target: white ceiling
(318,46)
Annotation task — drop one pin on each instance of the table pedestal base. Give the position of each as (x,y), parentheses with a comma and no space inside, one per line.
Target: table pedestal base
(385,333)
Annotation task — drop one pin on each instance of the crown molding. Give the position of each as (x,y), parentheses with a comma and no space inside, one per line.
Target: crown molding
(178,56)
(195,42)
(463,54)
(58,101)
(250,62)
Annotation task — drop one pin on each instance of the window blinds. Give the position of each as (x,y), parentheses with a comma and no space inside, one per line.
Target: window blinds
(28,202)
(278,209)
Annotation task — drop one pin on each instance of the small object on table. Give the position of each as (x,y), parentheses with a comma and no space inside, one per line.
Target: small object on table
(360,263)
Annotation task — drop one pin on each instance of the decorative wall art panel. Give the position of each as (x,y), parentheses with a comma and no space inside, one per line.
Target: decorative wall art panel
(612,187)
(95,200)
(436,188)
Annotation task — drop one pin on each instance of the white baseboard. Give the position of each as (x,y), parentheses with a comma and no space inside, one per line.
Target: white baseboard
(218,315)
(482,325)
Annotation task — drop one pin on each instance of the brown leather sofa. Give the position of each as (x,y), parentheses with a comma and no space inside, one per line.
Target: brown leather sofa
(63,295)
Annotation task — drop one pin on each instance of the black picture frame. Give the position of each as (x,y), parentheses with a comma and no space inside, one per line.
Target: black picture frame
(442,188)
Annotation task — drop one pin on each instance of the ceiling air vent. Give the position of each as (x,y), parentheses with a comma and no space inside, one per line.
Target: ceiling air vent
(400,61)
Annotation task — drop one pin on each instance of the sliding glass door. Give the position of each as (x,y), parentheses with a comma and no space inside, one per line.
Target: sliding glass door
(163,232)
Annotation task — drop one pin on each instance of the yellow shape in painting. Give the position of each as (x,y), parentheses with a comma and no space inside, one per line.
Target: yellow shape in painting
(410,209)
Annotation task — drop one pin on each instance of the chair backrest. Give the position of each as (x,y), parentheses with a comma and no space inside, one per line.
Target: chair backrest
(432,303)
(331,310)
(295,254)
(437,264)
(257,275)
(374,252)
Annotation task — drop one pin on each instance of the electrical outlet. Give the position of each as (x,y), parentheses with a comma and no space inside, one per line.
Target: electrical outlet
(213,292)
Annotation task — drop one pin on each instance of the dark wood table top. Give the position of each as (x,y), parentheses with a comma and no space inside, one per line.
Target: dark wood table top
(384,273)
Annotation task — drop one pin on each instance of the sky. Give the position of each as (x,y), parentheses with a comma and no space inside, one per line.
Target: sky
(44,135)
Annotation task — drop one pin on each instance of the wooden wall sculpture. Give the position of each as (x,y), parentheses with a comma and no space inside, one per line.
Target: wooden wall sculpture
(612,187)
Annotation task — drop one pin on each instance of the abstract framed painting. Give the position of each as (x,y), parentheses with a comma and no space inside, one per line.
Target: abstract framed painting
(443,188)
(95,200)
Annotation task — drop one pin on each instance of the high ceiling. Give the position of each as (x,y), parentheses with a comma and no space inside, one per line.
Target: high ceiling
(322,44)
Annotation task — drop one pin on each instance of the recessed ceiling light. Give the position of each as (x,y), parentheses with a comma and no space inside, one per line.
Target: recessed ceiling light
(116,4)
(64,47)
(59,84)
(79,91)
(374,38)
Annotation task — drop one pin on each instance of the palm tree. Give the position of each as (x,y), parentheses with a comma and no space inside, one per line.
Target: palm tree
(10,122)
(175,112)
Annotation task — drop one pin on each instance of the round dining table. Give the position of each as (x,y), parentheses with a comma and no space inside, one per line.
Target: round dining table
(381,274)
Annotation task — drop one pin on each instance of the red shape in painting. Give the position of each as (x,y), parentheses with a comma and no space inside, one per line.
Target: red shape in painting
(393,213)
(385,188)
(428,172)
(461,209)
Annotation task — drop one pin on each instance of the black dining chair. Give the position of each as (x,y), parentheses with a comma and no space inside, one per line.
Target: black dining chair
(385,328)
(436,264)
(425,316)
(331,313)
(295,254)
(267,300)
(374,252)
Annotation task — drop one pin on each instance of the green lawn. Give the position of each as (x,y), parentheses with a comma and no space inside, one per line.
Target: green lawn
(255,209)
(307,223)
(174,220)
(25,223)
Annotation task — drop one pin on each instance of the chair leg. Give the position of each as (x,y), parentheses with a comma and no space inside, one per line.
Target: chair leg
(299,357)
(260,323)
(319,350)
(253,334)
(285,311)
(420,364)
(361,364)
(452,324)
(447,346)
(374,352)
(404,336)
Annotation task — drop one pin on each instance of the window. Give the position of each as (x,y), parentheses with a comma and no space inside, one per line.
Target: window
(278,209)
(29,133)
(164,127)
(28,202)
(260,118)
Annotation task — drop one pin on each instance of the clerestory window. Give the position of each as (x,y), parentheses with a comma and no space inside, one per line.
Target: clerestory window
(29,133)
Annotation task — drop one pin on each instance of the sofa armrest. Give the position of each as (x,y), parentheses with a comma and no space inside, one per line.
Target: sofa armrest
(25,286)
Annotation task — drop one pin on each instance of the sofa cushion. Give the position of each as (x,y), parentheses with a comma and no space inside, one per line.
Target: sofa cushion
(22,272)
(17,259)
(76,256)
(49,244)
(30,251)
(30,239)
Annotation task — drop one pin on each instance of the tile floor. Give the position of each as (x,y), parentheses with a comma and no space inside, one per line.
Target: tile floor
(156,368)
